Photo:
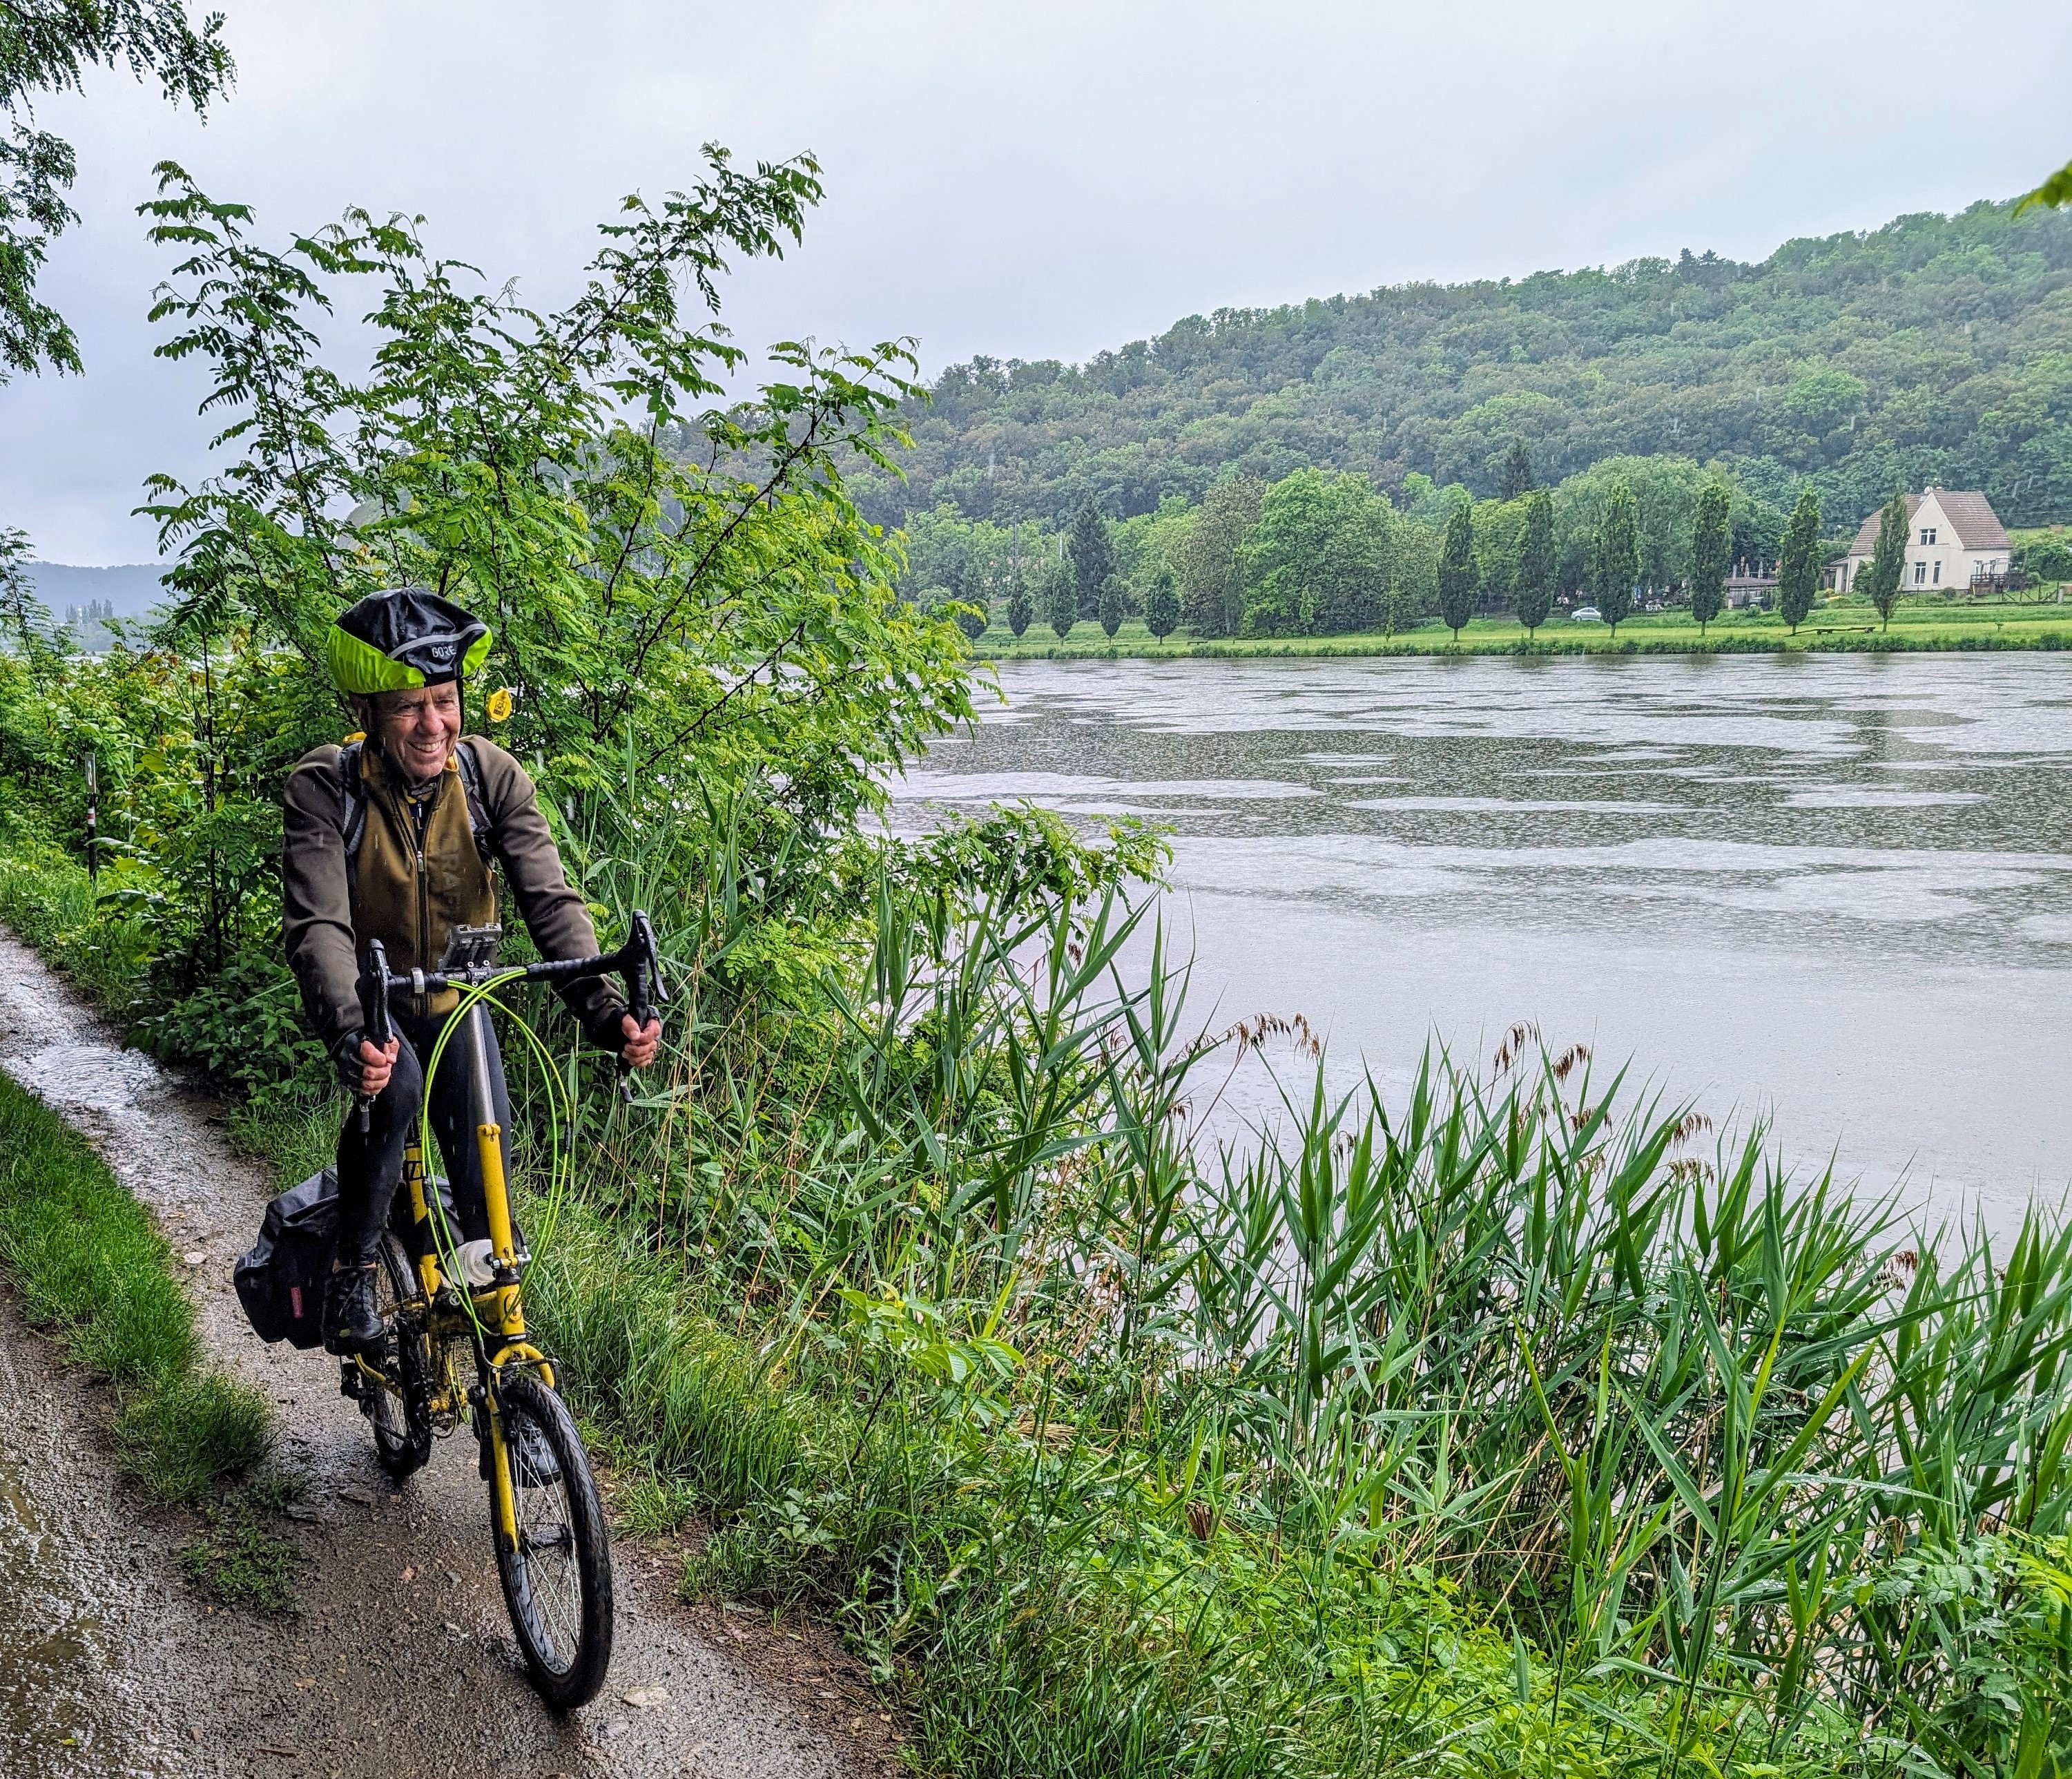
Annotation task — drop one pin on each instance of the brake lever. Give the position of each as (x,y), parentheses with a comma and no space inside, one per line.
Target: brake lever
(644,980)
(373,987)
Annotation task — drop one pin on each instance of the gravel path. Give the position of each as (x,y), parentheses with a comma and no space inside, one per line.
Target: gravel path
(402,1663)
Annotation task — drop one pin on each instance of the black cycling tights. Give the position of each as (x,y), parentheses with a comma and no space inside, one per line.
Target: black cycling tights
(370,1164)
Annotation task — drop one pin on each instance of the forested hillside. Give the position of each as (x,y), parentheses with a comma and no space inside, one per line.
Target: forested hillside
(1933,350)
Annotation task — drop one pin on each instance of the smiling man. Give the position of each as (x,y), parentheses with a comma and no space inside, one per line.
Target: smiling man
(393,837)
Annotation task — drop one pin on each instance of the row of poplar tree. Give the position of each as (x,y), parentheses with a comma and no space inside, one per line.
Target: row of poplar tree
(1320,553)
(1084,580)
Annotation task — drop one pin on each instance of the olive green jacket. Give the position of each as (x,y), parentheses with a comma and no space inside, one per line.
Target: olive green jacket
(318,895)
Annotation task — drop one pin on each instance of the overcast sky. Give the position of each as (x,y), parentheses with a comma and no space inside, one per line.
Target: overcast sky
(1029,181)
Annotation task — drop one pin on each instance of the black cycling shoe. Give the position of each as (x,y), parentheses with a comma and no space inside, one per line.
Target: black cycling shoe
(534,1464)
(350,1323)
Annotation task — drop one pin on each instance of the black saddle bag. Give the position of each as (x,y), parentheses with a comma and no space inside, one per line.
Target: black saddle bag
(280,1282)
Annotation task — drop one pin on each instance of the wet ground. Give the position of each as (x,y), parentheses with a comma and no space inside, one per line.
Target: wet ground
(401,1662)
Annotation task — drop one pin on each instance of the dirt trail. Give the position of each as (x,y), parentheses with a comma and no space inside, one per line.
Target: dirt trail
(402,1663)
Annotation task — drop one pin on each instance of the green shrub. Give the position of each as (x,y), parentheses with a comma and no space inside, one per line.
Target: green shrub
(48,900)
(243,1027)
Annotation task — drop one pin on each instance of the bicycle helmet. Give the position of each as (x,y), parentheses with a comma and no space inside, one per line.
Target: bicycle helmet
(391,641)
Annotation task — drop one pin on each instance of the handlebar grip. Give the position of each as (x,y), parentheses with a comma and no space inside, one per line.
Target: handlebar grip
(640,959)
(374,994)
(645,977)
(373,987)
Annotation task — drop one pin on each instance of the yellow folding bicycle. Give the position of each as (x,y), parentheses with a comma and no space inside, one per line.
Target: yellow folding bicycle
(455,1349)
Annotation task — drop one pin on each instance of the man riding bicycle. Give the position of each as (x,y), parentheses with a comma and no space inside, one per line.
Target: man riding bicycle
(391,837)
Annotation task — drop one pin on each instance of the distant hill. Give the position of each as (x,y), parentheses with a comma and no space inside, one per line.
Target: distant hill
(1933,350)
(82,597)
(129,591)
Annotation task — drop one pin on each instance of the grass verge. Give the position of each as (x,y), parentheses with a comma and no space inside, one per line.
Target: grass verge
(93,1271)
(1033,1596)
(1510,1428)
(48,900)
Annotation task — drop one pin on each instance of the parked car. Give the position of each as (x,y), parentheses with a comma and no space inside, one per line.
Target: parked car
(1586,613)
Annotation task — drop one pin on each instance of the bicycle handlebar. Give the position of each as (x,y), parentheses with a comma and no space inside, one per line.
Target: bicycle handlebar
(637,961)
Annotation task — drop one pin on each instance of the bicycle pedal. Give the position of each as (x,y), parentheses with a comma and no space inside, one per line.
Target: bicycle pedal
(352,1383)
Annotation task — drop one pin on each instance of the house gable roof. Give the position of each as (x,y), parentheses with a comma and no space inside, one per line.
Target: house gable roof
(1866,542)
(1971,516)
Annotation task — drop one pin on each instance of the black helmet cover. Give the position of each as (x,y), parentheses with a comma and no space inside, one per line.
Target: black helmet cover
(391,641)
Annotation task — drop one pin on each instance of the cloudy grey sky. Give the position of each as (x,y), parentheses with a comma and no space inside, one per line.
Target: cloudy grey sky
(1030,180)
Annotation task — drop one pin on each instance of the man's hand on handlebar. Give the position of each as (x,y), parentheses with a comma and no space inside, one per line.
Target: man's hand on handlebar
(641,1041)
(375,1066)
(364,1068)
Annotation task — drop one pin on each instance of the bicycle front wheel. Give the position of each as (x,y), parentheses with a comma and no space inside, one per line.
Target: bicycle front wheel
(557,1576)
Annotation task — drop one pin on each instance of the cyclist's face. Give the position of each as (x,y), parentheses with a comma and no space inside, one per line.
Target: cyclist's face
(417,729)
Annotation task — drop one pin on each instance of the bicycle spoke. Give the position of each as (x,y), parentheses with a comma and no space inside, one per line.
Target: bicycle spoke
(546,1545)
(392,1383)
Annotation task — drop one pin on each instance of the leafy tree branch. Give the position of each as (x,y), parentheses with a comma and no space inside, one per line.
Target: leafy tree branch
(47,46)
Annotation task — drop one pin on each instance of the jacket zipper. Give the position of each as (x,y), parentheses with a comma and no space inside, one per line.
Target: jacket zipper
(422,820)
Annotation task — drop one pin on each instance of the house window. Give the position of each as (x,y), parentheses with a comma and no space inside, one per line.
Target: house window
(1920,573)
(1939,573)
(1928,534)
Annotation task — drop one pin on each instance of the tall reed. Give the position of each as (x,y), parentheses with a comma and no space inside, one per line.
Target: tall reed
(1527,1420)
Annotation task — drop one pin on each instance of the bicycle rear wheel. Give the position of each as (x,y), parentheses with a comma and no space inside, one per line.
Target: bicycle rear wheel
(558,1581)
(399,1405)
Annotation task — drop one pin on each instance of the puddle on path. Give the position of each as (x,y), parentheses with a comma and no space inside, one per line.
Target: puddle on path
(88,1077)
(69,1578)
(45,1642)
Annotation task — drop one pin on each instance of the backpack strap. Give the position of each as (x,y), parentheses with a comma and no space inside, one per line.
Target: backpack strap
(477,805)
(353,801)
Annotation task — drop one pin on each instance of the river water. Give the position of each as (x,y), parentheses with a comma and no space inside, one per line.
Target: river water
(1835,890)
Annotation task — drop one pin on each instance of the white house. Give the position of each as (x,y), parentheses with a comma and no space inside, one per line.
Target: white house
(1953,540)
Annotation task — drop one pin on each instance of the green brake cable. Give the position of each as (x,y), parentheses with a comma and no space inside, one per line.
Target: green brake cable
(561,1162)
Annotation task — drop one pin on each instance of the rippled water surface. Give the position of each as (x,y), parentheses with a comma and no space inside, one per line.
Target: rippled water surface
(1838,887)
